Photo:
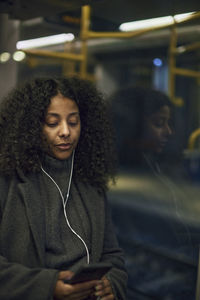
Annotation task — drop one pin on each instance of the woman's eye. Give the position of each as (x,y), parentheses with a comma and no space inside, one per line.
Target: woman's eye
(159,124)
(51,124)
(73,124)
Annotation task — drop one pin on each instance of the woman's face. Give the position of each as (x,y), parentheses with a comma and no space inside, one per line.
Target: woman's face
(62,127)
(157,130)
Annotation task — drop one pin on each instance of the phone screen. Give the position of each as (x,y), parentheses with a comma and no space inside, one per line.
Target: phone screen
(89,272)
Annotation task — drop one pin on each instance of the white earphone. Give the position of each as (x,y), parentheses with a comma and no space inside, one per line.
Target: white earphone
(64,201)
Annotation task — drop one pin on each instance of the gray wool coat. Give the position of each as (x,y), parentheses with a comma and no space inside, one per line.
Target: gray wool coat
(23,274)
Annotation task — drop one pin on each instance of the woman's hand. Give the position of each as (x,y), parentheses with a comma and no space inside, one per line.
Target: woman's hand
(104,290)
(77,291)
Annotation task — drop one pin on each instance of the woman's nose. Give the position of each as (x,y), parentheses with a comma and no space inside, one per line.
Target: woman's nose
(168,129)
(64,130)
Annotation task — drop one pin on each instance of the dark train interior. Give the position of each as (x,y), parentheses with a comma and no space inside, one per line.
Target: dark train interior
(155,202)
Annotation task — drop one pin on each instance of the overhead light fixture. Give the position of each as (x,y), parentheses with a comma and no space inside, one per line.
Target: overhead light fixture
(19,56)
(45,41)
(155,22)
(4,57)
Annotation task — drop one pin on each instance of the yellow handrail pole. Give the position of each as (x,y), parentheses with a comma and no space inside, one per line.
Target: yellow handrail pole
(68,66)
(51,54)
(186,72)
(192,138)
(172,64)
(85,24)
(83,65)
(87,34)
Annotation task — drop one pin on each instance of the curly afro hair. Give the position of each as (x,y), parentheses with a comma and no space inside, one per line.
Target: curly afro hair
(22,115)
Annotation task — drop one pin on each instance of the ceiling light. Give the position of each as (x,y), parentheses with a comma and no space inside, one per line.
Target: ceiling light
(155,22)
(4,57)
(19,55)
(45,41)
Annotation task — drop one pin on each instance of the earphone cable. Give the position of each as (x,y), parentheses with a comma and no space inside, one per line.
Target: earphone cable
(64,201)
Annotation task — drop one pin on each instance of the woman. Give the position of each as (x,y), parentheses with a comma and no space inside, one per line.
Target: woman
(56,159)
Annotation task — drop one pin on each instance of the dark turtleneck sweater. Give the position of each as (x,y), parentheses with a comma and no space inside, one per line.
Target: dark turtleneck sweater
(63,248)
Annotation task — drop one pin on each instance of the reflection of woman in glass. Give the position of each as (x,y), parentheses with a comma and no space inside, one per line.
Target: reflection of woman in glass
(156,128)
(161,237)
(142,118)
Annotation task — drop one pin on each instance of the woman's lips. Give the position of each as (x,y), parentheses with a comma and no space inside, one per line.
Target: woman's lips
(64,147)
(163,143)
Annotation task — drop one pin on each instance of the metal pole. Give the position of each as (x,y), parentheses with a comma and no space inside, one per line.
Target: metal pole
(52,54)
(85,24)
(172,62)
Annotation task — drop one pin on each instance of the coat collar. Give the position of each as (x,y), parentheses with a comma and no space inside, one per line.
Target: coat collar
(35,213)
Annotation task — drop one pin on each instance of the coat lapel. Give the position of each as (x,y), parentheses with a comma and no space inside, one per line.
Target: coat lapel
(35,213)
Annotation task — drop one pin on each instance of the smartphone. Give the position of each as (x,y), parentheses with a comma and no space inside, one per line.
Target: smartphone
(89,272)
